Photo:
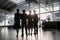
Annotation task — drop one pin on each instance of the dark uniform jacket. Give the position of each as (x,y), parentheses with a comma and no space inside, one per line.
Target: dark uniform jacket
(17,20)
(35,20)
(30,22)
(24,17)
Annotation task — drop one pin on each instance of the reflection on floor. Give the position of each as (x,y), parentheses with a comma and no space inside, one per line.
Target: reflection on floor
(10,34)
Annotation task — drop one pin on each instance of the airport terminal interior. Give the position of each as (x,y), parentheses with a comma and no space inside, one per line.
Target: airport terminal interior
(47,25)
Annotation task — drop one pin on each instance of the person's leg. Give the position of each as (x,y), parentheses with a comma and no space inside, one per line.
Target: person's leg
(17,30)
(26,30)
(22,31)
(36,29)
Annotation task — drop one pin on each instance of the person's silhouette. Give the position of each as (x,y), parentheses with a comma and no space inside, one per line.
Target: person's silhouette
(30,22)
(17,21)
(35,22)
(24,17)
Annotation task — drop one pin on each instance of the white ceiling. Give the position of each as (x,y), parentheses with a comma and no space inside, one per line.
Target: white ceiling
(10,4)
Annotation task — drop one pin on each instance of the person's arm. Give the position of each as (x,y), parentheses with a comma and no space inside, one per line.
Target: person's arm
(37,18)
(20,16)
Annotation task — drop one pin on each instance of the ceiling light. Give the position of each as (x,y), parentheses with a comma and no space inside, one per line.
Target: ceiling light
(17,1)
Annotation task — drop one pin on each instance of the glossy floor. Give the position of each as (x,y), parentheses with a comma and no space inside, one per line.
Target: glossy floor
(10,34)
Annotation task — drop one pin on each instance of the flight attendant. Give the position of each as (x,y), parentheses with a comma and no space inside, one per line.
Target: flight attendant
(17,22)
(30,22)
(24,22)
(35,22)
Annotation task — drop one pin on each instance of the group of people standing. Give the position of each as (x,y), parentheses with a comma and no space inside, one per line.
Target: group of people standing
(27,21)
